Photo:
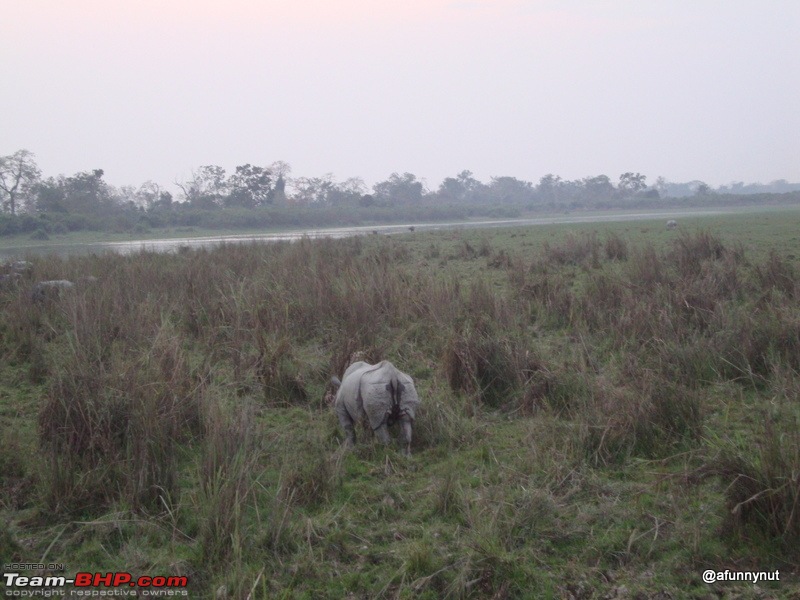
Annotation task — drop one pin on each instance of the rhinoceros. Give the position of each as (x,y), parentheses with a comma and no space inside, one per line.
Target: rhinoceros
(380,394)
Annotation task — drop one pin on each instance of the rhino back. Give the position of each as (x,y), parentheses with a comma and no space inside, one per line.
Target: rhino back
(348,397)
(356,366)
(378,399)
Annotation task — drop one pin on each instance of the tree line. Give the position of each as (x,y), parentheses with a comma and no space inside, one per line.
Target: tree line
(255,196)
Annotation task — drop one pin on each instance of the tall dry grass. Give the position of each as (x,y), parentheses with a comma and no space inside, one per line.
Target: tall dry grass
(169,357)
(762,486)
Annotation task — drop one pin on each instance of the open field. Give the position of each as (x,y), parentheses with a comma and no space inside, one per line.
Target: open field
(608,411)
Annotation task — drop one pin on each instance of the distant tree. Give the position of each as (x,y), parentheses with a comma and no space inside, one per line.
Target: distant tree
(249,186)
(571,192)
(461,188)
(313,190)
(19,175)
(278,196)
(347,193)
(400,189)
(702,189)
(281,170)
(83,193)
(353,185)
(152,196)
(631,184)
(779,186)
(510,190)
(207,187)
(367,200)
(451,189)
(164,201)
(50,195)
(126,196)
(598,188)
(661,186)
(550,188)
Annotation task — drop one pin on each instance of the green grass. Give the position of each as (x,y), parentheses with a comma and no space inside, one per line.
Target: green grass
(592,420)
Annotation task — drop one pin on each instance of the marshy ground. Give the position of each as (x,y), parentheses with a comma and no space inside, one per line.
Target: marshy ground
(608,410)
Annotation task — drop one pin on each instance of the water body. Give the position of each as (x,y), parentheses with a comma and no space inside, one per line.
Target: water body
(175,244)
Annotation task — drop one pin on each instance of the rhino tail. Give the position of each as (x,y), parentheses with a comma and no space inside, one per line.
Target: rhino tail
(335,382)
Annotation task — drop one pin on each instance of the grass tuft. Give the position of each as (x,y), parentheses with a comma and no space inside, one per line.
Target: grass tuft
(763,487)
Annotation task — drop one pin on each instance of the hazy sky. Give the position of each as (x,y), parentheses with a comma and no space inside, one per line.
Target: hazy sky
(150,89)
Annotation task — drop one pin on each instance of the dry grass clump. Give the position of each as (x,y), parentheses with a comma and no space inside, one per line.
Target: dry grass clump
(545,291)
(651,419)
(17,481)
(690,250)
(645,269)
(574,249)
(531,514)
(484,364)
(442,421)
(229,470)
(559,385)
(785,383)
(485,307)
(449,498)
(608,301)
(500,260)
(752,342)
(778,273)
(280,375)
(109,428)
(312,477)
(23,331)
(616,248)
(762,489)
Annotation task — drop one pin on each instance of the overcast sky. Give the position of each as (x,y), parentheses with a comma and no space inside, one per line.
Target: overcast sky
(151,89)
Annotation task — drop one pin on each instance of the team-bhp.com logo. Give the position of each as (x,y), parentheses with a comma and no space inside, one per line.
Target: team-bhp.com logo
(17,584)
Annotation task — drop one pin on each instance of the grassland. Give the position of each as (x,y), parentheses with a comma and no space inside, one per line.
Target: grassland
(608,411)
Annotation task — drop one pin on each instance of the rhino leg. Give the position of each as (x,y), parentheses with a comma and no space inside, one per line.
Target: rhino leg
(405,434)
(383,434)
(350,434)
(348,426)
